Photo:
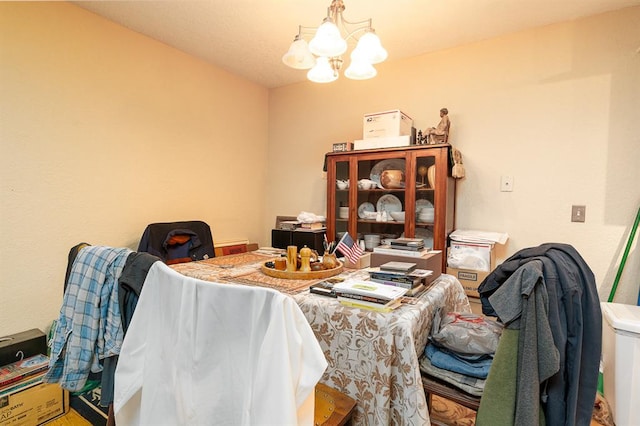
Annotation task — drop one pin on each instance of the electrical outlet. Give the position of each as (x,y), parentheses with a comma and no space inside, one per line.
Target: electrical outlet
(578,213)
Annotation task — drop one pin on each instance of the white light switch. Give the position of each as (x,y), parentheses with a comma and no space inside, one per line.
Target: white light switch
(506,183)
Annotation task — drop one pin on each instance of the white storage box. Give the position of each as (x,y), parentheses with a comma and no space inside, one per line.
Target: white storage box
(386,123)
(388,142)
(620,360)
(475,256)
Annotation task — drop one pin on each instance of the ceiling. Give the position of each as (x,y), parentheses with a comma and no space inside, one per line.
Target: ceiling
(249,37)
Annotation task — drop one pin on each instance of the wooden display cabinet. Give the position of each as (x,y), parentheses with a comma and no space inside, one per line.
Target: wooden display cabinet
(415,196)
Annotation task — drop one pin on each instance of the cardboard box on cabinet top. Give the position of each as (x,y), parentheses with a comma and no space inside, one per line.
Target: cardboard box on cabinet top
(386,123)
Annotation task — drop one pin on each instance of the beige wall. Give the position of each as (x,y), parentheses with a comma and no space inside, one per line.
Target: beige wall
(103,131)
(557,108)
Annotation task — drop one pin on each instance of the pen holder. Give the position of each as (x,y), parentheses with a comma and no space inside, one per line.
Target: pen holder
(329,260)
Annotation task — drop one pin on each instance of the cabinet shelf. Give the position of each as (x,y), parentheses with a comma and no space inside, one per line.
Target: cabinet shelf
(380,191)
(356,165)
(386,222)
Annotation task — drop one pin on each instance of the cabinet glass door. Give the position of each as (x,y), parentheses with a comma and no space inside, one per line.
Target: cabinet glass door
(424,206)
(343,186)
(381,200)
(391,193)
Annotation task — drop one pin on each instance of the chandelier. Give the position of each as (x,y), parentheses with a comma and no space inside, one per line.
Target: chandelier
(322,56)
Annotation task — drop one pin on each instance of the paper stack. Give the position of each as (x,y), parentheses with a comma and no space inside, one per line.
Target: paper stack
(369,295)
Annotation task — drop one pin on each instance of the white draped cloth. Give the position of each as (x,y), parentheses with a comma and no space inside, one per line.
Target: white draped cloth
(206,353)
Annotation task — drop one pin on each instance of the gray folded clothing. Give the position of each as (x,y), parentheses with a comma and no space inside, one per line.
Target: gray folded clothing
(471,385)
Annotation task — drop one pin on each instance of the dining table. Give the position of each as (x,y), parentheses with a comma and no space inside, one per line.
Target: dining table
(373,357)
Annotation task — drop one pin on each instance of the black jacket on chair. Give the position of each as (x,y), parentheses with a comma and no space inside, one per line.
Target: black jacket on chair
(158,239)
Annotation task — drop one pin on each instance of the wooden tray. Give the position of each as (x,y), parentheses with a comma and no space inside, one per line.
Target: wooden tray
(311,275)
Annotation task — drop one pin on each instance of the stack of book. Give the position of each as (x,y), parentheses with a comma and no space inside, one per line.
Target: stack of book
(23,373)
(325,287)
(411,244)
(369,295)
(413,247)
(289,225)
(295,225)
(311,225)
(400,274)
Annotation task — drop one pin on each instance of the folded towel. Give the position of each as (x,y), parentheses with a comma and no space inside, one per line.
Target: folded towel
(447,360)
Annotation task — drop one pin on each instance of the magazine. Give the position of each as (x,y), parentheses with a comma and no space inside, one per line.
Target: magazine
(370,288)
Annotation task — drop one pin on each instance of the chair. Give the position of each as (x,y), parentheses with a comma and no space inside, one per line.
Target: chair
(97,267)
(177,242)
(332,407)
(238,354)
(433,386)
(436,384)
(547,298)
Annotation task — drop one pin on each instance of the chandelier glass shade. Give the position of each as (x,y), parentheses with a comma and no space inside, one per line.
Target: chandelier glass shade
(299,56)
(322,72)
(322,56)
(361,67)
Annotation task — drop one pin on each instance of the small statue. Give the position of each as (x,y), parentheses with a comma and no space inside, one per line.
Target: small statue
(457,171)
(439,134)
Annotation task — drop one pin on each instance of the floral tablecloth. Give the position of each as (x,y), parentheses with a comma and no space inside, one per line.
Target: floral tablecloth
(373,357)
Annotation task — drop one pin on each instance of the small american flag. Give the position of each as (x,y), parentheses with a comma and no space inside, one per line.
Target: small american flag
(349,248)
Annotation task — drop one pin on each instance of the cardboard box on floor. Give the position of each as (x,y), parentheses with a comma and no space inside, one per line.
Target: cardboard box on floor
(476,305)
(33,406)
(471,279)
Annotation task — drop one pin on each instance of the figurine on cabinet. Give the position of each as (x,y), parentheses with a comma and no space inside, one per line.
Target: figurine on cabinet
(439,134)
(458,169)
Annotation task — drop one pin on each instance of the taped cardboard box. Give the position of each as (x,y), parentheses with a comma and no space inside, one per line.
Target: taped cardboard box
(476,306)
(386,123)
(470,278)
(34,405)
